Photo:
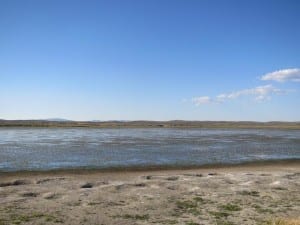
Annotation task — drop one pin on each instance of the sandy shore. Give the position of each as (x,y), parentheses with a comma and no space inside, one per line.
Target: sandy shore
(249,194)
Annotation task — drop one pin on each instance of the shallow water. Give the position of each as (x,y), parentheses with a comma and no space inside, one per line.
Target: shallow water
(54,148)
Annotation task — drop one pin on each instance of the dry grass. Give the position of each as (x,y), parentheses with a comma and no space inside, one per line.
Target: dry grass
(284,222)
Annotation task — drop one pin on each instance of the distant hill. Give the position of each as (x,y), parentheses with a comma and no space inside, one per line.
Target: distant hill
(58,119)
(153,124)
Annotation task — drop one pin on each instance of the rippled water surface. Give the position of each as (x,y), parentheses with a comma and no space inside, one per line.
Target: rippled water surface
(51,148)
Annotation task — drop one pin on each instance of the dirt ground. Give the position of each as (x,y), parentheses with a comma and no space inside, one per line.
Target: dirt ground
(219,196)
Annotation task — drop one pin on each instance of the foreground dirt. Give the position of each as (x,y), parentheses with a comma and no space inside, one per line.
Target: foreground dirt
(219,196)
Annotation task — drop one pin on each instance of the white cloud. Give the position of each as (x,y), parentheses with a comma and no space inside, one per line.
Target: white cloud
(201,100)
(260,93)
(283,75)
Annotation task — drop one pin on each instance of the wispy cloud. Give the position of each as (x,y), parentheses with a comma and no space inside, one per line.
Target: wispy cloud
(260,93)
(283,75)
(201,100)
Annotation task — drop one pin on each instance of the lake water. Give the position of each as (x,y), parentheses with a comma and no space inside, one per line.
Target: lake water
(54,148)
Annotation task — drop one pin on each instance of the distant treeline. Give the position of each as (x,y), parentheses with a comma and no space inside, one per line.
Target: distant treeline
(152,124)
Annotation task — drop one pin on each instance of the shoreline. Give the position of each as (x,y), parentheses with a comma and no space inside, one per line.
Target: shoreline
(136,169)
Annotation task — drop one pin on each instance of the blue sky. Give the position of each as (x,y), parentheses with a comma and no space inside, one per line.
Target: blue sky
(154,60)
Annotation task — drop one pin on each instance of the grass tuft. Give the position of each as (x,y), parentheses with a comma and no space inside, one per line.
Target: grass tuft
(220,215)
(136,217)
(250,193)
(186,204)
(231,207)
(192,223)
(221,222)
